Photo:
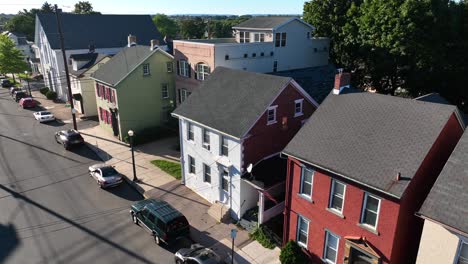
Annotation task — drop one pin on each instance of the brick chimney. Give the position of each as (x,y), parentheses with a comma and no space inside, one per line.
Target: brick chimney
(342,80)
(154,44)
(131,40)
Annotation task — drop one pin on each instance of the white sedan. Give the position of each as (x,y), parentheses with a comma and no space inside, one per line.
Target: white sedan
(44,116)
(105,175)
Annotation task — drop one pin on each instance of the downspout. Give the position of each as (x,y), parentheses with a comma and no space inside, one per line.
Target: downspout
(286,212)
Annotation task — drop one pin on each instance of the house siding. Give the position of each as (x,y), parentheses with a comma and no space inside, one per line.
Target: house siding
(264,140)
(321,219)
(410,226)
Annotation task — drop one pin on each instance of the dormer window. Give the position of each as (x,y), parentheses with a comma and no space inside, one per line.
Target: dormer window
(244,37)
(202,71)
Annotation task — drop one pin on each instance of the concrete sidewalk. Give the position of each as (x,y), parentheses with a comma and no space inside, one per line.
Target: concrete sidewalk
(158,184)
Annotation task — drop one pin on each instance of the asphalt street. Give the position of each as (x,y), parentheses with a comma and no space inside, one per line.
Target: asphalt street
(51,211)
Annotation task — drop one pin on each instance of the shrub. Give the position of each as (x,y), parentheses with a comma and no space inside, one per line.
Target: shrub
(44,90)
(51,95)
(292,254)
(262,238)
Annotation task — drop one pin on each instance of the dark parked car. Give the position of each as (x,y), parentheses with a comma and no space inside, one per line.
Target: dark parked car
(13,90)
(6,83)
(69,138)
(159,218)
(197,254)
(18,95)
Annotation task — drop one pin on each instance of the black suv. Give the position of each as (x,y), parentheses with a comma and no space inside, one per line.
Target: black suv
(69,138)
(6,83)
(18,95)
(159,218)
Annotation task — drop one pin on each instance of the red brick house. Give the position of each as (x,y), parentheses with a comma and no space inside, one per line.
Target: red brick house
(359,170)
(234,119)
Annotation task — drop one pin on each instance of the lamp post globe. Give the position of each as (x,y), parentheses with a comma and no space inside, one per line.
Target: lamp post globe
(130,133)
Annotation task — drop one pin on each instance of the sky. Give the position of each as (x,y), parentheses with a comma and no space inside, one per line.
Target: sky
(169,7)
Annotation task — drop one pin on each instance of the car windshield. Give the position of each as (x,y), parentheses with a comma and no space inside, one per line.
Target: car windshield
(74,137)
(45,113)
(108,171)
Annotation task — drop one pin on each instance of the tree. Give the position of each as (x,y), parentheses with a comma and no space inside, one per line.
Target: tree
(11,59)
(24,21)
(192,28)
(292,254)
(84,7)
(167,26)
(47,8)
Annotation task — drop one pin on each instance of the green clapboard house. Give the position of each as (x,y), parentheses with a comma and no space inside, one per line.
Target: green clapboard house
(135,90)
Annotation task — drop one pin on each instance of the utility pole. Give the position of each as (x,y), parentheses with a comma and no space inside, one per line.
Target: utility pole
(65,64)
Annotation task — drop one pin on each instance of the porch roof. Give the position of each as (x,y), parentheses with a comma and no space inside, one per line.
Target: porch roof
(268,171)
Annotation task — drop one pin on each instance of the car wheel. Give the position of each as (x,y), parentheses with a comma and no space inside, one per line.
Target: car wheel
(156,239)
(178,261)
(66,146)
(134,219)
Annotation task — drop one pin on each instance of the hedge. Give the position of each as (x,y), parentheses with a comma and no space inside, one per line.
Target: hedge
(292,254)
(44,90)
(51,95)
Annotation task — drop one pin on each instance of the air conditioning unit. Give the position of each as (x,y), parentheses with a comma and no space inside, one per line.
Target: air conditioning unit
(206,145)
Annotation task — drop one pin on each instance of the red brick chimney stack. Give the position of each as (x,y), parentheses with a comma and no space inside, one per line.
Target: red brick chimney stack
(342,80)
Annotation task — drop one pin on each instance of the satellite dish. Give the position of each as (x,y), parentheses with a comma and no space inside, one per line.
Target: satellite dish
(249,168)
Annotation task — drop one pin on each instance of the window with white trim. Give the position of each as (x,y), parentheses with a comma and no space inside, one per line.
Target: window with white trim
(337,194)
(225,179)
(184,68)
(146,69)
(206,138)
(307,176)
(271,115)
(203,71)
(244,37)
(302,231)
(330,252)
(206,173)
(184,94)
(370,210)
(224,146)
(462,257)
(164,91)
(298,107)
(190,132)
(191,161)
(259,37)
(169,66)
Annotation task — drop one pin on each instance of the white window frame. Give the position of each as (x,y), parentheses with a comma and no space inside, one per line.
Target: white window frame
(364,204)
(169,66)
(184,94)
(165,90)
(203,71)
(259,37)
(190,132)
(301,102)
(459,250)
(301,187)
(204,173)
(271,108)
(206,144)
(244,37)
(325,248)
(225,178)
(332,194)
(298,230)
(223,138)
(184,68)
(146,69)
(192,163)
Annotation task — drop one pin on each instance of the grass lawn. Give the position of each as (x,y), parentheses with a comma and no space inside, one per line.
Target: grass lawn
(173,168)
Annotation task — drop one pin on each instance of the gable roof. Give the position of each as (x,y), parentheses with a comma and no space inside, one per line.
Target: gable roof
(92,58)
(447,202)
(316,81)
(102,31)
(122,64)
(264,22)
(230,101)
(369,138)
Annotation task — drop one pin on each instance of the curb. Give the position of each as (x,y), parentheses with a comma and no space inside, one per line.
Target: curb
(134,185)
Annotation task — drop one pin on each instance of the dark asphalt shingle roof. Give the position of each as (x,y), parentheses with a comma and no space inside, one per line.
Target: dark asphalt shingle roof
(447,202)
(437,98)
(371,137)
(264,22)
(121,64)
(103,31)
(230,100)
(92,59)
(316,81)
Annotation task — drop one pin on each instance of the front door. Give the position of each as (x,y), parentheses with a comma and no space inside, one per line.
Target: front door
(359,257)
(115,124)
(225,185)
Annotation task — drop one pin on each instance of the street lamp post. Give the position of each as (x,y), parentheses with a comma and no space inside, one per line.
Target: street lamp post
(27,80)
(130,135)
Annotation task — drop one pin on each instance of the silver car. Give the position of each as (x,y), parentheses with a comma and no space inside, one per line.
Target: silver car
(105,175)
(44,116)
(197,254)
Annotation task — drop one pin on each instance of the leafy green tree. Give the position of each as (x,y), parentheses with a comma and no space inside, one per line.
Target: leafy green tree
(11,59)
(47,8)
(192,28)
(24,21)
(84,7)
(166,25)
